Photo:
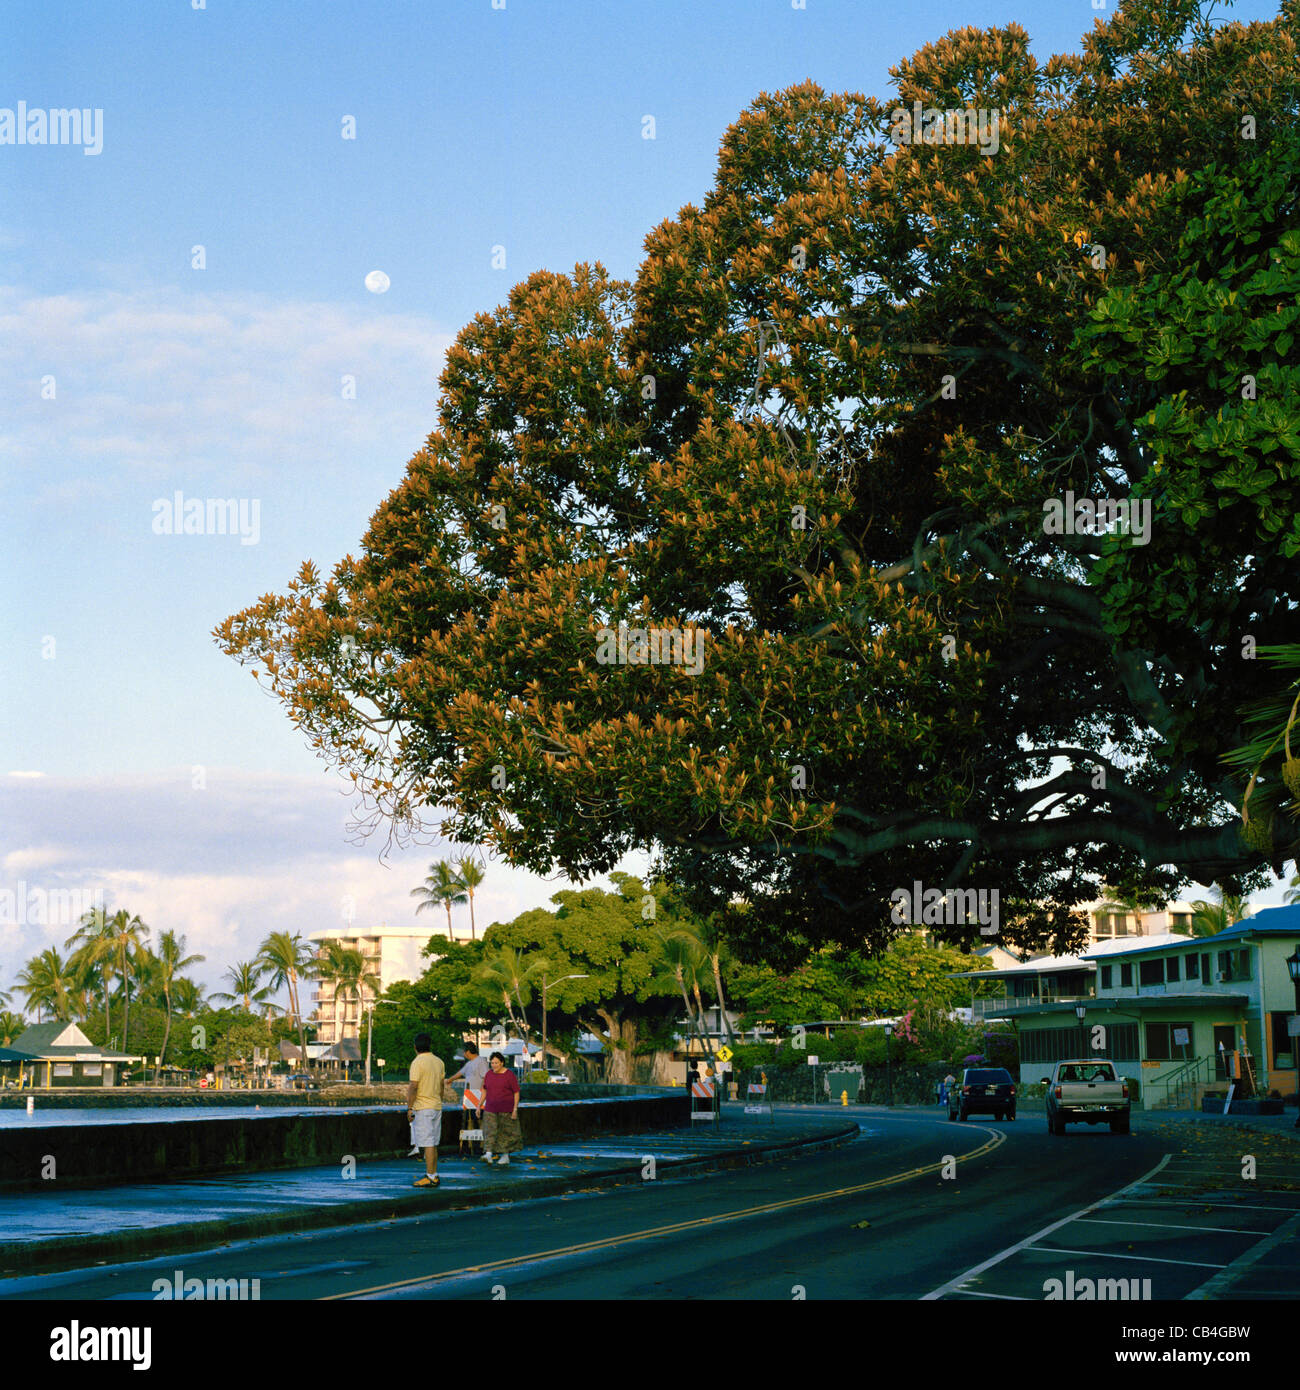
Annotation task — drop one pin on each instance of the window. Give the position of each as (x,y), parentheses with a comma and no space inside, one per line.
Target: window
(1206,977)
(1046,1045)
(1234,965)
(1192,961)
(1151,972)
(1105,976)
(1160,1041)
(1126,976)
(1171,967)
(92,1069)
(63,1069)
(1282,1056)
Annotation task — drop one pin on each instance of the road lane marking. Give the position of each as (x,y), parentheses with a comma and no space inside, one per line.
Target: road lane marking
(1110,1255)
(1029,1240)
(1168,1226)
(609,1242)
(1009,1297)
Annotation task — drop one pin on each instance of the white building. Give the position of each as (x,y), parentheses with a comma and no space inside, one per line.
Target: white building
(392,953)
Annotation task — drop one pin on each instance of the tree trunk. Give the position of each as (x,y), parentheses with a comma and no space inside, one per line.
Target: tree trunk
(722,1001)
(622,1040)
(471,915)
(167,1032)
(704,1032)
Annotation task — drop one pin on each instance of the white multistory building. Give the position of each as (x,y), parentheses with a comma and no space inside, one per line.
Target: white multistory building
(392,953)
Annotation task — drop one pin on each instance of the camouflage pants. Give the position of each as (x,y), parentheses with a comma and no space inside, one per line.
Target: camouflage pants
(501,1133)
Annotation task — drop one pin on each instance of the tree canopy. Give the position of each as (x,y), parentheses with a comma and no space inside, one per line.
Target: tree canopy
(825,427)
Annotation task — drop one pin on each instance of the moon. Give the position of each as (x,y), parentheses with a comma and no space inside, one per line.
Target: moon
(377,282)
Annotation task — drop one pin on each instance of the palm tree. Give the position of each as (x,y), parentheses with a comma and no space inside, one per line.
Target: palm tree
(129,933)
(511,973)
(93,953)
(187,996)
(713,947)
(46,982)
(11,1026)
(469,874)
(287,959)
(1210,918)
(440,889)
(349,972)
(1293,893)
(1129,900)
(244,977)
(6,998)
(171,959)
(684,958)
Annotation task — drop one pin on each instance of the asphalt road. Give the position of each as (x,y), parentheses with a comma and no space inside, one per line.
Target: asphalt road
(916,1207)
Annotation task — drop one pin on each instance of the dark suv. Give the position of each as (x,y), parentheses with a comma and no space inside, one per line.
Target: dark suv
(983,1091)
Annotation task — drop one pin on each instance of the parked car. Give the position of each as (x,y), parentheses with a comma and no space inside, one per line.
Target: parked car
(983,1091)
(1086,1090)
(303,1081)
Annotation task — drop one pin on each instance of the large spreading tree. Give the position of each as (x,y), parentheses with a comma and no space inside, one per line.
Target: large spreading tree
(825,426)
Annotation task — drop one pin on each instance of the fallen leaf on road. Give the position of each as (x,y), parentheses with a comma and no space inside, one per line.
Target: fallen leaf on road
(860,1225)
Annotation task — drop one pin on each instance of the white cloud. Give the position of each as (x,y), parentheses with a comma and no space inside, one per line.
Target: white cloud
(169,383)
(254,853)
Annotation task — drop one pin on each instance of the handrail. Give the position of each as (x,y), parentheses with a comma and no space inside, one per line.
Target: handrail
(1188,1072)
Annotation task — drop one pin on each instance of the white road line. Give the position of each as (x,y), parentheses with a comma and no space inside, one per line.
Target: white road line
(1009,1297)
(1029,1240)
(1201,1201)
(1108,1255)
(1169,1226)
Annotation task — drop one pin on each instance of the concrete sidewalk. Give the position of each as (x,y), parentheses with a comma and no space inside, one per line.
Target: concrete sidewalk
(77,1227)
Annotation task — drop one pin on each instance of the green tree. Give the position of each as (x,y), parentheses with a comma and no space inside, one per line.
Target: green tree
(349,972)
(1211,917)
(442,888)
(287,959)
(46,983)
(470,876)
(510,974)
(171,960)
(848,387)
(628,1000)
(403,1010)
(11,1025)
(93,954)
(245,978)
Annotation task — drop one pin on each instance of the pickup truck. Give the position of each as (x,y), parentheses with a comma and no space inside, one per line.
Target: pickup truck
(1086,1090)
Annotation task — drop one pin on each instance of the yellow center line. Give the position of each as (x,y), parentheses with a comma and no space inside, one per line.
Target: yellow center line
(999,1137)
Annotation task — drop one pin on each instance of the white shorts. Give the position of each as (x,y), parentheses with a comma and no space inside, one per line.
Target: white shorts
(426,1129)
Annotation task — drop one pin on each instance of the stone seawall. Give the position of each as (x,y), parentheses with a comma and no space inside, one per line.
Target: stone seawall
(100,1154)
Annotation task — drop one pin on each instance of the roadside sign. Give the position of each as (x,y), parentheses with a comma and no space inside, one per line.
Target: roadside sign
(702,1090)
(725,1054)
(756,1101)
(812,1061)
(1293,1026)
(1182,1036)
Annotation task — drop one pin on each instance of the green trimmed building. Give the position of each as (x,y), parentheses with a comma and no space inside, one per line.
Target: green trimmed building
(1182,1015)
(59,1054)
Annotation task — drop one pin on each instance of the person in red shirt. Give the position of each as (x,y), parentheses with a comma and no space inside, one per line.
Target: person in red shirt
(501,1136)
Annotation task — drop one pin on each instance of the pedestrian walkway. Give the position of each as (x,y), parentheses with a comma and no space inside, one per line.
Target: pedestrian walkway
(74,1227)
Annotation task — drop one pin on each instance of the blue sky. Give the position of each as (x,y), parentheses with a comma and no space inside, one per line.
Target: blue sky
(475,127)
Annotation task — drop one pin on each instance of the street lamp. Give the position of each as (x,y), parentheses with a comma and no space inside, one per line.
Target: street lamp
(370,1030)
(1293,969)
(560,981)
(1080,1010)
(889,1075)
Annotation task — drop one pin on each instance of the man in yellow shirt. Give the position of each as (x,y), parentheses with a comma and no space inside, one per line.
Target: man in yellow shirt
(424,1106)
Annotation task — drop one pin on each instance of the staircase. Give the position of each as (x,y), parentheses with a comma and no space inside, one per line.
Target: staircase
(1184,1087)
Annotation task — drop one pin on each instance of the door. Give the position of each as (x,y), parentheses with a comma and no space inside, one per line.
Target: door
(1225,1034)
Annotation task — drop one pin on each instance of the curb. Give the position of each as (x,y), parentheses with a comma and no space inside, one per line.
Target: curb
(63,1253)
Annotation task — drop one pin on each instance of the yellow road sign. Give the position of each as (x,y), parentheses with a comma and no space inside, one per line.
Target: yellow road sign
(724,1054)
